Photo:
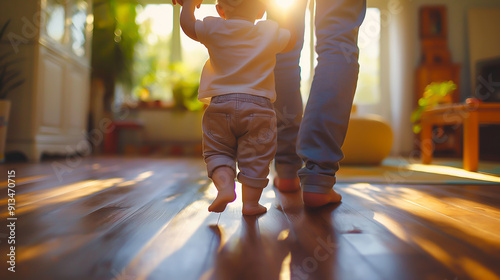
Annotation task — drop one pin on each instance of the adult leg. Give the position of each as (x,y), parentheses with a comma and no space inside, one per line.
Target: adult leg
(326,116)
(288,105)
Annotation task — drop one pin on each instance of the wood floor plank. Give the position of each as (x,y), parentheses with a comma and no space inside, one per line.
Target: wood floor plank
(459,255)
(489,226)
(475,229)
(146,218)
(45,178)
(110,238)
(97,211)
(388,255)
(320,250)
(483,205)
(251,247)
(488,194)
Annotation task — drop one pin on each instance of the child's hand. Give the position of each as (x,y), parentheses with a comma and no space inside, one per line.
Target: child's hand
(188,19)
(181,2)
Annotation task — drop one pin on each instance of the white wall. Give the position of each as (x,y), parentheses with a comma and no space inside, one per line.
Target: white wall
(458,37)
(400,56)
(484,39)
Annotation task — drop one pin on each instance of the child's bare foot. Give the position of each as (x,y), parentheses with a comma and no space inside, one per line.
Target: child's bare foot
(287,185)
(223,179)
(251,198)
(318,199)
(250,210)
(223,198)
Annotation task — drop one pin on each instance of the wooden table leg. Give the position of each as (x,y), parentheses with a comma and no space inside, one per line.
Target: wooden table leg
(471,141)
(426,145)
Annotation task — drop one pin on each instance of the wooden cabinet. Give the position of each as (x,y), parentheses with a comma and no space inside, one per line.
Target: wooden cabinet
(52,42)
(435,67)
(436,64)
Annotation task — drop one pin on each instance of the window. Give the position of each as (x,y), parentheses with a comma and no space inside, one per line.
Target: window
(368,90)
(156,64)
(154,57)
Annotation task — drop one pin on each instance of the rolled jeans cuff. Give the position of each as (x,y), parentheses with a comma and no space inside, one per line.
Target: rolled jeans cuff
(258,183)
(286,171)
(317,183)
(214,162)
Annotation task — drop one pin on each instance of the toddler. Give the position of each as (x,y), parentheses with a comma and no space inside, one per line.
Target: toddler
(237,81)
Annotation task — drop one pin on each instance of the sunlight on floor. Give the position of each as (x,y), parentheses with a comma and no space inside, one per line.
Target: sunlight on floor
(453,171)
(475,218)
(37,199)
(478,207)
(20,181)
(141,177)
(359,190)
(393,226)
(436,209)
(156,250)
(460,218)
(477,270)
(283,234)
(54,247)
(285,267)
(470,267)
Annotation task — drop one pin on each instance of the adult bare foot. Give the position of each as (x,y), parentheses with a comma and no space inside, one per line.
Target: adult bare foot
(287,185)
(319,199)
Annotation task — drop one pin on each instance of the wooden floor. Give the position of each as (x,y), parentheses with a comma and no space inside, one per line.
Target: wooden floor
(147,218)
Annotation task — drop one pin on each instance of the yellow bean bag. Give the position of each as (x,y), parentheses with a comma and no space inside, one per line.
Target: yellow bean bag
(368,140)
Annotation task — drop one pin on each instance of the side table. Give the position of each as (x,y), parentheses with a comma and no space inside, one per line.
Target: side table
(468,115)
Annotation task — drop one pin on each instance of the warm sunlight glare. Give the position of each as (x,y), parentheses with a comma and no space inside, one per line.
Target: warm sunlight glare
(38,199)
(453,171)
(156,249)
(284,4)
(144,175)
(25,180)
(359,190)
(285,267)
(393,226)
(283,234)
(160,23)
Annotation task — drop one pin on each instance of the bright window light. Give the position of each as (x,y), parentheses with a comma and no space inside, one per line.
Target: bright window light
(368,90)
(284,4)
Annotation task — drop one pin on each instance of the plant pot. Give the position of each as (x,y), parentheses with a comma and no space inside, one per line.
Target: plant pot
(4,120)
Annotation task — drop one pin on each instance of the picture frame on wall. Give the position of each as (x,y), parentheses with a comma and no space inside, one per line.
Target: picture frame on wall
(433,22)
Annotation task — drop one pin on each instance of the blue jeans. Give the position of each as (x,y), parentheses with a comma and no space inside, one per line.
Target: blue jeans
(309,145)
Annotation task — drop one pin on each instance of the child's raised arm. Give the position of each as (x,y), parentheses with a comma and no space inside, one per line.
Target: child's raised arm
(188,19)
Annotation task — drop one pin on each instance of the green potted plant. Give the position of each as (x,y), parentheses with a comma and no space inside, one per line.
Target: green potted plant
(115,36)
(185,84)
(435,93)
(10,79)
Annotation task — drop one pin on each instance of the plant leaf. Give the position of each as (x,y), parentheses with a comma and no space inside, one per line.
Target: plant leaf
(417,128)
